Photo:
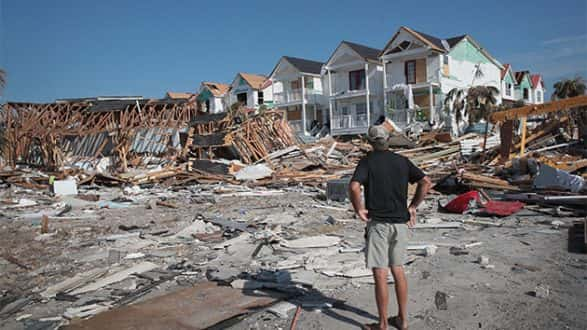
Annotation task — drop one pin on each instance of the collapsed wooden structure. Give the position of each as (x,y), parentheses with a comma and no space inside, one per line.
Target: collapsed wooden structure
(248,139)
(34,133)
(506,119)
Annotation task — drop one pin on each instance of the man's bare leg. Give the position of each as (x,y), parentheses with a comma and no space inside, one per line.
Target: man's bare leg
(401,291)
(381,295)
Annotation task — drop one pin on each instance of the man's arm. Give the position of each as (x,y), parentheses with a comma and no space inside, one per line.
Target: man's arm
(355,193)
(422,190)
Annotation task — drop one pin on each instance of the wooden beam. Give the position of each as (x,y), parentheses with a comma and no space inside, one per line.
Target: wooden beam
(523,142)
(537,109)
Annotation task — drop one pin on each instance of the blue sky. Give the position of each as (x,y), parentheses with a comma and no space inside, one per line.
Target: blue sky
(66,48)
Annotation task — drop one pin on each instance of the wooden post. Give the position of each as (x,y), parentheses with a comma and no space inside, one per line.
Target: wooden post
(523,142)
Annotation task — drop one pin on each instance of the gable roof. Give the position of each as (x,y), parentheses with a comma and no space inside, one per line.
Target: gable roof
(254,80)
(366,52)
(217,89)
(305,66)
(300,64)
(433,42)
(536,79)
(179,95)
(504,71)
(520,76)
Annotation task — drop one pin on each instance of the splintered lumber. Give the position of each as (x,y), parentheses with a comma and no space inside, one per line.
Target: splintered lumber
(209,140)
(436,155)
(537,109)
(253,140)
(482,181)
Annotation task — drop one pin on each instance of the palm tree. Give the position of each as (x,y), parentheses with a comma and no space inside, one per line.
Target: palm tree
(2,80)
(481,101)
(569,88)
(477,102)
(455,100)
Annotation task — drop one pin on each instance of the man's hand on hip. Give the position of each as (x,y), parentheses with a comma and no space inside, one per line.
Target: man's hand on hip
(363,215)
(412,221)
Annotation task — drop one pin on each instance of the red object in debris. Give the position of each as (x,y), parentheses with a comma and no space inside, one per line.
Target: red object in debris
(502,209)
(461,203)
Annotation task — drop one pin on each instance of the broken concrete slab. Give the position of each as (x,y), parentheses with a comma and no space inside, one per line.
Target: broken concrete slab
(243,238)
(253,172)
(320,241)
(282,309)
(116,277)
(65,187)
(85,311)
(74,282)
(197,227)
(442,225)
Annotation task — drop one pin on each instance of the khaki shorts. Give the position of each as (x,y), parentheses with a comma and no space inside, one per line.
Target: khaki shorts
(386,244)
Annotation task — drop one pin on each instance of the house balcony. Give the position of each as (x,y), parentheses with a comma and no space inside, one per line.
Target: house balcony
(393,83)
(349,94)
(404,117)
(295,97)
(348,124)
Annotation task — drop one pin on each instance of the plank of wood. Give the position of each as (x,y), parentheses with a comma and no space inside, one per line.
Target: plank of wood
(536,109)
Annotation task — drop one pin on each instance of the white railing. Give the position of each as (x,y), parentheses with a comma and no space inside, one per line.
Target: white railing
(349,121)
(294,95)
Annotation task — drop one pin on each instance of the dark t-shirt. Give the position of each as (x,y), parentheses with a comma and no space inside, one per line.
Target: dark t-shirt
(385,176)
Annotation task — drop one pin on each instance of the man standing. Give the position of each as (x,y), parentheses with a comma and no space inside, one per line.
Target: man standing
(385,176)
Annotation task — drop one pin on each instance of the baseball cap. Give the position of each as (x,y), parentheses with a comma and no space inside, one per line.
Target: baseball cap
(378,136)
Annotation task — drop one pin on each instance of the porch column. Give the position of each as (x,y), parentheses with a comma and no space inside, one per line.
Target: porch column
(432,110)
(368,97)
(384,85)
(330,99)
(304,104)
(272,91)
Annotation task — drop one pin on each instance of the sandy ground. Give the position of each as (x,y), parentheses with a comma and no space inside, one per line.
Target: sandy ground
(525,253)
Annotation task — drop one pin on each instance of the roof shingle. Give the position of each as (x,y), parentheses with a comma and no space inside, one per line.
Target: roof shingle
(365,51)
(254,80)
(305,66)
(217,89)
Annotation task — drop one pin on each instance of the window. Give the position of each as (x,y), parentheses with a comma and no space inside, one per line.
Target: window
(508,89)
(241,98)
(361,109)
(410,68)
(526,95)
(356,80)
(445,68)
(345,110)
(296,84)
(538,96)
(260,98)
(309,82)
